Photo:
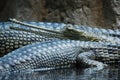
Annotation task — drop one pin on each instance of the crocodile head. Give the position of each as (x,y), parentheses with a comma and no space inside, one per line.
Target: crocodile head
(75,32)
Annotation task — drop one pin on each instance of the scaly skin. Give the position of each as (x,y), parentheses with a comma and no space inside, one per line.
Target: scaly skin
(93,35)
(72,30)
(67,30)
(58,54)
(61,26)
(24,62)
(7,40)
(11,39)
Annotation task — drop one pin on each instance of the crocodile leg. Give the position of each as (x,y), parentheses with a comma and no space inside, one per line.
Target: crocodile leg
(55,55)
(88,59)
(46,55)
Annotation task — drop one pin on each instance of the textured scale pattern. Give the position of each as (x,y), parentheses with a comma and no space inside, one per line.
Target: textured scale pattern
(58,54)
(98,35)
(110,32)
(55,26)
(60,26)
(11,40)
(53,55)
(111,54)
(95,33)
(89,32)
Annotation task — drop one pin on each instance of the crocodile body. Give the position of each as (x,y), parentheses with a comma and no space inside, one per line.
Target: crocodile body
(53,54)
(58,54)
(11,40)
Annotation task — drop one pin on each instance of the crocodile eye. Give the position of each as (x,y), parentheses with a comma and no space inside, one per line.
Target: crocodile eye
(69,26)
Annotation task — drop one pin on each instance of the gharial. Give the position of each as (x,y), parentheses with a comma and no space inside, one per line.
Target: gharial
(60,54)
(13,36)
(69,48)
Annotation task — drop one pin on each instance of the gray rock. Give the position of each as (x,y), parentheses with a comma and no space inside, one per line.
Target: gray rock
(99,13)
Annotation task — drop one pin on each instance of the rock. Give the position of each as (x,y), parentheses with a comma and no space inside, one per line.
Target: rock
(99,13)
(7,9)
(111,11)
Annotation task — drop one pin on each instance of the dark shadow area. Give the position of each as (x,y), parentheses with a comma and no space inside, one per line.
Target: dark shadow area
(8,9)
(109,15)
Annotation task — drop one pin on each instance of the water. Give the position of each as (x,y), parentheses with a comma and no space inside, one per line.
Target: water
(66,74)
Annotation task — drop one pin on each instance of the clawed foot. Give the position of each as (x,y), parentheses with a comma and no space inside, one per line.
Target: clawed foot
(94,69)
(101,66)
